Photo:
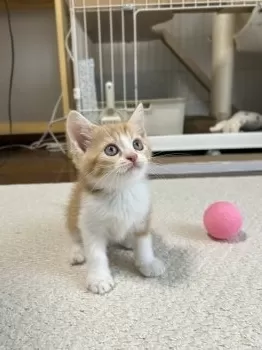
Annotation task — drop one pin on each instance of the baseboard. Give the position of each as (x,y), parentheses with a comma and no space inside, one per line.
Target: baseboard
(206,168)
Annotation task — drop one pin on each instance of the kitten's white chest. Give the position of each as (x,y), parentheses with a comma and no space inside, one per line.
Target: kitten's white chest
(119,212)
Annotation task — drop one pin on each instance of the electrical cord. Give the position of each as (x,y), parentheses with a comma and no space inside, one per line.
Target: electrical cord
(10,90)
(39,143)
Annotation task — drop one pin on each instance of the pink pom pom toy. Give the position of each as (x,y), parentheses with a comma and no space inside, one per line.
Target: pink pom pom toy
(223,221)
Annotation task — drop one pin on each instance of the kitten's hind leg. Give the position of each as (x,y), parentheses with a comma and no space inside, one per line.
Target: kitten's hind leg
(128,242)
(77,255)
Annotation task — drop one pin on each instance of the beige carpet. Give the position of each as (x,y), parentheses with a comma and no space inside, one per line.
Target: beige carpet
(210,298)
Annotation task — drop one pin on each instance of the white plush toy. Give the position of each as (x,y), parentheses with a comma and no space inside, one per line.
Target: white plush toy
(240,121)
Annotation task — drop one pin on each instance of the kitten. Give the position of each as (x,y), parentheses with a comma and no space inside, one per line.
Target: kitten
(111,200)
(240,121)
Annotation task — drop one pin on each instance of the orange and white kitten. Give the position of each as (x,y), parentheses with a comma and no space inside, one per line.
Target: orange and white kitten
(111,200)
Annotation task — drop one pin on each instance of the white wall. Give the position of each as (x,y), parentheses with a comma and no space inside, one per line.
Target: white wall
(36,76)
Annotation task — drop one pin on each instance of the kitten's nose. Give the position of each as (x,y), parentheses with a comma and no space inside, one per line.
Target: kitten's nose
(132,157)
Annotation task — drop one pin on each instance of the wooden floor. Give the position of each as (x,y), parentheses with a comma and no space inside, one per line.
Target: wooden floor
(24,166)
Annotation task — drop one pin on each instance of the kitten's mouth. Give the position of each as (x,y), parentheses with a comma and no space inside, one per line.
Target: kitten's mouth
(134,166)
(131,167)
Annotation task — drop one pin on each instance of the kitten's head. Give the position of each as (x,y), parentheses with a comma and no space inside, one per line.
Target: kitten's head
(109,156)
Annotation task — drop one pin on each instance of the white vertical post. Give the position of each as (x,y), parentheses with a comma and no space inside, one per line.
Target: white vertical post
(100,54)
(135,12)
(123,55)
(85,31)
(111,43)
(222,65)
(77,92)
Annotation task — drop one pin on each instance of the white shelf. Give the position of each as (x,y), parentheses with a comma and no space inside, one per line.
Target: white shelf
(201,142)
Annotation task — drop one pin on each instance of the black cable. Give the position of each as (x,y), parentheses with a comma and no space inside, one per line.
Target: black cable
(12,66)
(11,75)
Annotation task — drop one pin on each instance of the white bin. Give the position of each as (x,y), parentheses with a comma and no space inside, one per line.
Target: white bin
(165,117)
(162,117)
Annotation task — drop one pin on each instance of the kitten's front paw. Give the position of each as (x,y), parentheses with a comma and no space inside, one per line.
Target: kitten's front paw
(153,269)
(100,284)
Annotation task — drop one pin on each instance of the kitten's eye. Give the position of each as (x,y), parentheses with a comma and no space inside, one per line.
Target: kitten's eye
(138,145)
(111,150)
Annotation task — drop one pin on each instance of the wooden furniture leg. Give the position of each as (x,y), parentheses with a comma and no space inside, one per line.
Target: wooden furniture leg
(61,28)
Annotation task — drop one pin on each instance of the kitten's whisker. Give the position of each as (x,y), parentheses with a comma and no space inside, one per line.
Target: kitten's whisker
(162,164)
(103,178)
(97,167)
(91,172)
(170,154)
(164,167)
(167,171)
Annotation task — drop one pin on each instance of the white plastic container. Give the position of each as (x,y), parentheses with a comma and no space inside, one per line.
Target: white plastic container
(165,117)
(162,117)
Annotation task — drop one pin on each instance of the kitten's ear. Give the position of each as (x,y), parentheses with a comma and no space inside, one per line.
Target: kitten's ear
(137,119)
(79,131)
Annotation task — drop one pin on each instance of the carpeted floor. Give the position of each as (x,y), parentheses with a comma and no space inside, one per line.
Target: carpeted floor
(209,299)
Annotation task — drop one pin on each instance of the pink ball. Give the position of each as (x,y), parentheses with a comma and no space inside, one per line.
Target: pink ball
(223,220)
